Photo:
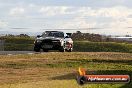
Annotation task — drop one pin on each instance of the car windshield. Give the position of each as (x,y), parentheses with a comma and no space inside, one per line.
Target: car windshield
(53,34)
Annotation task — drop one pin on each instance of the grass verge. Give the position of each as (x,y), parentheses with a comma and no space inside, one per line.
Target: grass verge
(59,70)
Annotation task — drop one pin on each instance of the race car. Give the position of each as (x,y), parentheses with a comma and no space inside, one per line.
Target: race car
(53,40)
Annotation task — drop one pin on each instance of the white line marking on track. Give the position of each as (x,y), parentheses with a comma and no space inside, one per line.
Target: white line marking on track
(30,53)
(9,54)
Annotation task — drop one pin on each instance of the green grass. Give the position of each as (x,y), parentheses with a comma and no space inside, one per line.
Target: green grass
(59,70)
(102,47)
(19,44)
(19,40)
(22,44)
(18,47)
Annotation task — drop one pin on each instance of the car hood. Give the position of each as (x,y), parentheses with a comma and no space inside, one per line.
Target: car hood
(51,38)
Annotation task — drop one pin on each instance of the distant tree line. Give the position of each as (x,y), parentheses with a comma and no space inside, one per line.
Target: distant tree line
(87,37)
(14,36)
(78,36)
(20,35)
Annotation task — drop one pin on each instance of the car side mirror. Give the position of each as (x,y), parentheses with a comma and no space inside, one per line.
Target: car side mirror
(38,36)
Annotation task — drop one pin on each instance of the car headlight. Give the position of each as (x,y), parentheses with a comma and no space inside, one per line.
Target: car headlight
(38,41)
(60,40)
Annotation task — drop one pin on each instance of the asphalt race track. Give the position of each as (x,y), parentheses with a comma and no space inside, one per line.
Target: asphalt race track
(17,52)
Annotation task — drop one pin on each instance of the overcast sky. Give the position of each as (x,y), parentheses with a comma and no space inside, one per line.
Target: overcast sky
(107,16)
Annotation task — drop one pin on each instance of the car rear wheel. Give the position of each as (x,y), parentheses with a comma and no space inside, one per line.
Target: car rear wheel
(70,50)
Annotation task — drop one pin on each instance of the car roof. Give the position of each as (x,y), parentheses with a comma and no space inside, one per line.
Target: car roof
(53,31)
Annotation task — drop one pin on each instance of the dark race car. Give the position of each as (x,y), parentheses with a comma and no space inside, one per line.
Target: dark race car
(53,40)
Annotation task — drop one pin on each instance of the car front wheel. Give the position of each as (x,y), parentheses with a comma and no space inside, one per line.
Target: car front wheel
(36,49)
(45,50)
(62,49)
